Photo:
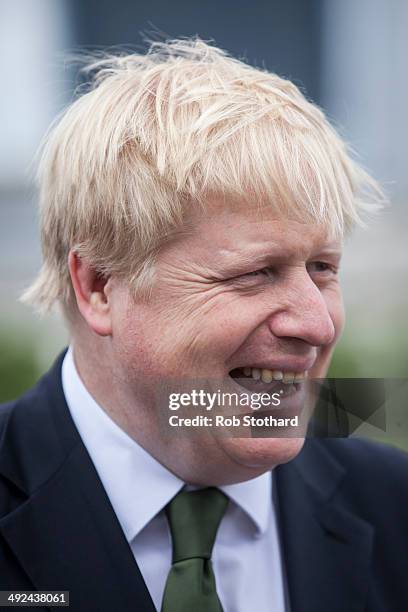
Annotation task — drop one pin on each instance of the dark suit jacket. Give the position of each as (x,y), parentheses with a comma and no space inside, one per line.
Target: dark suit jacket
(343,507)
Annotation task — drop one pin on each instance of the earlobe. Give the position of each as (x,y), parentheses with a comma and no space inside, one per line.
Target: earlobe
(92,294)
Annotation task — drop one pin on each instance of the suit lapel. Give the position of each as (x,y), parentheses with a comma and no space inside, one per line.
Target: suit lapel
(65,535)
(327,549)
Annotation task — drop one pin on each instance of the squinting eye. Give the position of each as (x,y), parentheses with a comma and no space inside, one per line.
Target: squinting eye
(262,273)
(321,266)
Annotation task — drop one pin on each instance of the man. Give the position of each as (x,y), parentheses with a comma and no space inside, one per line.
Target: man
(192,216)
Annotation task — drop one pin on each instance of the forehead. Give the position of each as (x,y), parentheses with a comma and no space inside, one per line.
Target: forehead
(241,229)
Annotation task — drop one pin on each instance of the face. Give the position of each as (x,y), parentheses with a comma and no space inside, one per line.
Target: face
(241,290)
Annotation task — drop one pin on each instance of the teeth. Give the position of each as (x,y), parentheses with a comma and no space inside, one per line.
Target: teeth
(299,376)
(256,373)
(268,376)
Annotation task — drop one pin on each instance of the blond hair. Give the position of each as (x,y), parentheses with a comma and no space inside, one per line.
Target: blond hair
(155,134)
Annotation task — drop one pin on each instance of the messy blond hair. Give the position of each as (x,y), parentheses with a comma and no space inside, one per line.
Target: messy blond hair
(155,134)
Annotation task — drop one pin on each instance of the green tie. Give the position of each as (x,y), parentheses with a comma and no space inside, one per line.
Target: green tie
(193,518)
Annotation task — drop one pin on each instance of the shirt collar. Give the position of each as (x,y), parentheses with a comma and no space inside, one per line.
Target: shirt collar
(145,486)
(255,498)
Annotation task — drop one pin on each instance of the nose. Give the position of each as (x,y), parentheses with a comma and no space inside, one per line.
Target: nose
(305,315)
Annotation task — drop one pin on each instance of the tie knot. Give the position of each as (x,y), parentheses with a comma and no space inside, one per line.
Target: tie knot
(194,517)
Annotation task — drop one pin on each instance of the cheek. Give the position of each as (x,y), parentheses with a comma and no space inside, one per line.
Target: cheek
(230,322)
(205,339)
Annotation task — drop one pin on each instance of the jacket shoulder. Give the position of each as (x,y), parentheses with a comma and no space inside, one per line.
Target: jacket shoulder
(5,413)
(375,478)
(8,409)
(373,459)
(36,433)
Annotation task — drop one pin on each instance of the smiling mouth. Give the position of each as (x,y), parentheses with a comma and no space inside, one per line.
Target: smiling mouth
(257,379)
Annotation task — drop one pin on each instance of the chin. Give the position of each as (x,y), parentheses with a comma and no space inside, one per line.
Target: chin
(262,454)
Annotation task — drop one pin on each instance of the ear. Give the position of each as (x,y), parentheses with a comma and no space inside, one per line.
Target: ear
(92,294)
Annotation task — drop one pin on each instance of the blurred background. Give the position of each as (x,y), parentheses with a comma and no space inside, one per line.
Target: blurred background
(349,56)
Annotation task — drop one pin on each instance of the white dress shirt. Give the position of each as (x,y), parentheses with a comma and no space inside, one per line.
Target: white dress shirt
(246,556)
